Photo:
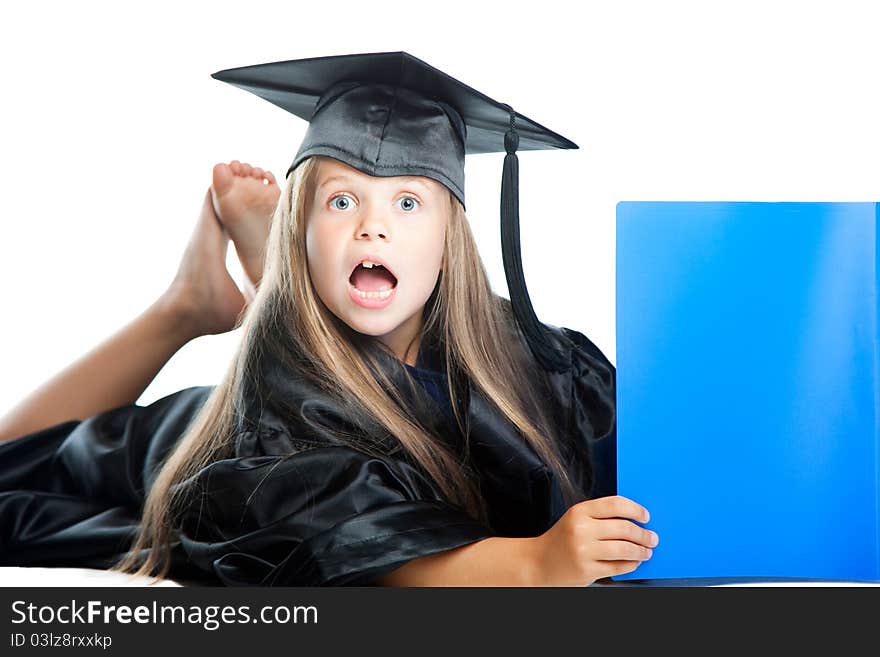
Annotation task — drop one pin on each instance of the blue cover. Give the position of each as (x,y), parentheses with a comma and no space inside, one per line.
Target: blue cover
(747,370)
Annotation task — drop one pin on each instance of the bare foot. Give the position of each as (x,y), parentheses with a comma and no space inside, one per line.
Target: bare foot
(203,294)
(244,199)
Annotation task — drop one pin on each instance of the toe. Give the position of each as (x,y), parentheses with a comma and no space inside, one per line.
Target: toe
(268,176)
(257,173)
(222,178)
(246,169)
(235,165)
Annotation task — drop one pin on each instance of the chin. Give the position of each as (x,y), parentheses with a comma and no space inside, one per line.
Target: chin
(375,327)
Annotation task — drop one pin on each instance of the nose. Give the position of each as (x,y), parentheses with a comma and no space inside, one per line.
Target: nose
(373,224)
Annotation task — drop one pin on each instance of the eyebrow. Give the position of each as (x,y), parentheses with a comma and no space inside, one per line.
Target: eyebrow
(345,178)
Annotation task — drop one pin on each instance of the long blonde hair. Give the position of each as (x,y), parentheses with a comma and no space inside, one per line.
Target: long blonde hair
(287,321)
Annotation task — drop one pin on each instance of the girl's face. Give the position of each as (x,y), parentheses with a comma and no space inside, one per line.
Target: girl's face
(399,221)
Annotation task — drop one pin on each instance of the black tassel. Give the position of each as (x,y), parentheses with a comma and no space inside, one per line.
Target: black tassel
(535,332)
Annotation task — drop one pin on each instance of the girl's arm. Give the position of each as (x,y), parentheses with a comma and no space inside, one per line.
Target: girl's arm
(592,540)
(203,299)
(494,561)
(114,373)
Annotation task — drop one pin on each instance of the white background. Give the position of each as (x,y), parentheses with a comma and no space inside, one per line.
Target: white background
(111,124)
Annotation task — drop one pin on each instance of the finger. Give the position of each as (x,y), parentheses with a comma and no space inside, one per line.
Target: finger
(611,550)
(616,528)
(617,506)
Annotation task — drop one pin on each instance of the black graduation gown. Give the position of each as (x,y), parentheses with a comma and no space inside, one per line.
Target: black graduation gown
(71,495)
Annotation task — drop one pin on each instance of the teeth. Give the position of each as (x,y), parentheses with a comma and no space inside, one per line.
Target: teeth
(368,264)
(381,294)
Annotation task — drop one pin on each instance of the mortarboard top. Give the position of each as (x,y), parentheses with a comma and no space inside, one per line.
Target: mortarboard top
(391,114)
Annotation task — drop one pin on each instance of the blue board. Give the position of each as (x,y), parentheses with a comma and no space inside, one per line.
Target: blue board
(747,373)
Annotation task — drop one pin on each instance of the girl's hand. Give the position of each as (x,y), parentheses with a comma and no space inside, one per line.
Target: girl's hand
(594,539)
(203,296)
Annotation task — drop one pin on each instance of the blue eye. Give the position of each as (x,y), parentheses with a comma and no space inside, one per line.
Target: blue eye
(408,203)
(346,202)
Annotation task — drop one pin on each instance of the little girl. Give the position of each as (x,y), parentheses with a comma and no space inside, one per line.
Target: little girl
(383,420)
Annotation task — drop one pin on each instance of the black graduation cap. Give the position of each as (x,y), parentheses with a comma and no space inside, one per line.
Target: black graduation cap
(391,114)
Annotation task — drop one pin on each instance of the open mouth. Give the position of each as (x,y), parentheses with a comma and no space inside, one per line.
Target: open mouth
(372,280)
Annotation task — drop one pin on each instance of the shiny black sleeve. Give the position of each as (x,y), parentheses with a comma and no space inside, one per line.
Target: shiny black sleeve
(71,494)
(326,516)
(594,412)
